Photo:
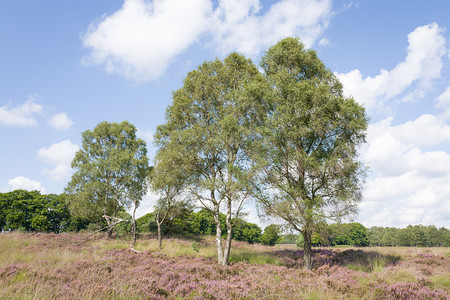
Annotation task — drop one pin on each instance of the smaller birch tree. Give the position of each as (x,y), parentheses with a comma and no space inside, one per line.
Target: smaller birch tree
(111,172)
(168,178)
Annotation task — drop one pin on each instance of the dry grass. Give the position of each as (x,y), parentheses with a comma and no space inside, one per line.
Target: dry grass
(49,266)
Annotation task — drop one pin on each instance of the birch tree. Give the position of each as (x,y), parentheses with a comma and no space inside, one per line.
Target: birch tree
(210,123)
(168,178)
(308,152)
(111,172)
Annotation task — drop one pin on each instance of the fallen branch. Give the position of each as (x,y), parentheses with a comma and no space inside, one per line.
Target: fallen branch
(119,220)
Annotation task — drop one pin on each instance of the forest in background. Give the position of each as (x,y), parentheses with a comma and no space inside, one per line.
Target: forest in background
(35,212)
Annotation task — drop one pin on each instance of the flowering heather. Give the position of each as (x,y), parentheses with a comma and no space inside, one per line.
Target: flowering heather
(408,291)
(48,266)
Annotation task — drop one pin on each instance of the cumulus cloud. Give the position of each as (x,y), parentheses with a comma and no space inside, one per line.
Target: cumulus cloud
(61,155)
(141,39)
(20,116)
(60,121)
(423,64)
(24,183)
(427,130)
(410,184)
(409,161)
(396,149)
(238,26)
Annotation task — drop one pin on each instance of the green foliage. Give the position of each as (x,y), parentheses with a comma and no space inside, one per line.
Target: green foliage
(111,171)
(358,235)
(31,211)
(288,239)
(186,222)
(202,222)
(124,228)
(271,235)
(247,232)
(416,236)
(316,240)
(309,141)
(208,131)
(143,223)
(353,234)
(178,220)
(300,242)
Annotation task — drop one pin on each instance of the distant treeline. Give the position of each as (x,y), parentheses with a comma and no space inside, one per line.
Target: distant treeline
(187,222)
(417,235)
(355,234)
(31,211)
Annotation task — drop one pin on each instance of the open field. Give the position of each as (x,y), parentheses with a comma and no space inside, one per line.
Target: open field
(50,266)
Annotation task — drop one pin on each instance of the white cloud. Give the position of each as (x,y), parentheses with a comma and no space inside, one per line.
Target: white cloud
(24,183)
(140,40)
(21,116)
(61,155)
(409,162)
(410,184)
(421,66)
(394,150)
(237,26)
(427,130)
(60,121)
(392,186)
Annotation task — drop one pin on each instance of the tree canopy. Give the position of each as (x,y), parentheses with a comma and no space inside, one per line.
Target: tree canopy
(111,171)
(31,211)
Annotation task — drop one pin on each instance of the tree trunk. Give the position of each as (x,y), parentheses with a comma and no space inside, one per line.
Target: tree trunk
(158,223)
(226,256)
(159,237)
(218,235)
(110,223)
(307,250)
(133,227)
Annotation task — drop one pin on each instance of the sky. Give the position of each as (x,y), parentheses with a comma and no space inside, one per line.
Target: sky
(66,66)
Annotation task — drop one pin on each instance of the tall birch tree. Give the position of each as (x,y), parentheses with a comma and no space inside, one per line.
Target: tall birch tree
(308,152)
(211,125)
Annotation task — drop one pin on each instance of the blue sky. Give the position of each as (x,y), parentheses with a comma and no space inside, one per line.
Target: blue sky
(66,66)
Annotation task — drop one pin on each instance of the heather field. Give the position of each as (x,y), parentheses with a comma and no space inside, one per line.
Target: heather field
(51,266)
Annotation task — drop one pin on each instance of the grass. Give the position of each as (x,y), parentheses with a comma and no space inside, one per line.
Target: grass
(441,282)
(50,266)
